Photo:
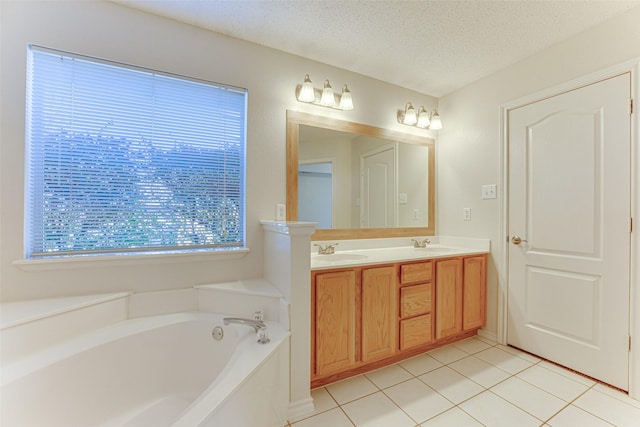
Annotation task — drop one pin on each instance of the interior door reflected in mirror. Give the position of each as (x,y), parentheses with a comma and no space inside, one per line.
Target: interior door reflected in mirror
(358,181)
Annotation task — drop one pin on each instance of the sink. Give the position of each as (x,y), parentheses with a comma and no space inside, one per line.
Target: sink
(339,257)
(435,249)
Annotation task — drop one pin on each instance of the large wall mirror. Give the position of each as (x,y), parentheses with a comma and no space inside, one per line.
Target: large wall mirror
(358,181)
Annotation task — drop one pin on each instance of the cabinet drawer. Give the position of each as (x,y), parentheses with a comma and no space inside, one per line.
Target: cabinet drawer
(415,300)
(415,332)
(418,272)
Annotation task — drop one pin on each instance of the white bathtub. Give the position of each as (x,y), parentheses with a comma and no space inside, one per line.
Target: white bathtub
(157,371)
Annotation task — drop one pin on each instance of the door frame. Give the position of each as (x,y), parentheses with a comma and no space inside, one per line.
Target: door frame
(632,67)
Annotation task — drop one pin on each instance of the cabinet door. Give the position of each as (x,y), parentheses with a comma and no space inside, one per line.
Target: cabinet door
(448,297)
(475,302)
(379,313)
(335,321)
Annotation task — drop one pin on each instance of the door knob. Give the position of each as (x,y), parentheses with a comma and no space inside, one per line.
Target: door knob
(516,240)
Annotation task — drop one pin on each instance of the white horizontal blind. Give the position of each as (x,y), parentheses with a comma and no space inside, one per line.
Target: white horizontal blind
(123,159)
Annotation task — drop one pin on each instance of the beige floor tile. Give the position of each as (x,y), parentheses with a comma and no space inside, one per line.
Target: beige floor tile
(334,418)
(493,411)
(552,382)
(452,418)
(609,409)
(479,371)
(576,417)
(418,400)
(503,360)
(451,384)
(447,354)
(536,402)
(421,364)
(472,345)
(351,389)
(377,410)
(388,376)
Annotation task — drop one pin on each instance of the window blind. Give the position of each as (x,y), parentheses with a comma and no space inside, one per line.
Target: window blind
(124,159)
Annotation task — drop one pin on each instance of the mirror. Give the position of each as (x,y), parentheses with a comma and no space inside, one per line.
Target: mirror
(359,181)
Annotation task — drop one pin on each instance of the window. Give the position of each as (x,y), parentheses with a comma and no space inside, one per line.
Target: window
(123,159)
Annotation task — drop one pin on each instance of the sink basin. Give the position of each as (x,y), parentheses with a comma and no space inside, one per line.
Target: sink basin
(339,257)
(435,249)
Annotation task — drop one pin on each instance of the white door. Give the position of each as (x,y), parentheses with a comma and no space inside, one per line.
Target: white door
(378,175)
(569,205)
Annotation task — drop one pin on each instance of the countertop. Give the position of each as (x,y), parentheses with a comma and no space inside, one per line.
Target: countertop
(382,251)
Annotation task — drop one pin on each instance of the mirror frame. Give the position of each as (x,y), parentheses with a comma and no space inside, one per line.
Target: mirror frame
(296,118)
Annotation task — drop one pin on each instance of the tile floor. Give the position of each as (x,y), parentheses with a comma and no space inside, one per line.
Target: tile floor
(470,383)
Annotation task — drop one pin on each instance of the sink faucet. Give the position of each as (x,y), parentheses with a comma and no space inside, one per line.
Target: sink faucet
(258,325)
(327,250)
(420,243)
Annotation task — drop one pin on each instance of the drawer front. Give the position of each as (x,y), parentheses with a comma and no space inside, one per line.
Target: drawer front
(415,300)
(418,272)
(415,332)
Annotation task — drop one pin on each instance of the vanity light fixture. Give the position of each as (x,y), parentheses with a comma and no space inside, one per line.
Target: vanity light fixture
(325,97)
(422,118)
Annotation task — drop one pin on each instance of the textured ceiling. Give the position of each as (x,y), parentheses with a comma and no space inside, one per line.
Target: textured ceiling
(430,46)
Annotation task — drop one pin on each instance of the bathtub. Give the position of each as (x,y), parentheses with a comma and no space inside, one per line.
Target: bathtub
(163,370)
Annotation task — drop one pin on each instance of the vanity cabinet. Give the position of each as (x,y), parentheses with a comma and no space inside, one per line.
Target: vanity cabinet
(416,308)
(448,297)
(334,315)
(366,317)
(354,318)
(379,313)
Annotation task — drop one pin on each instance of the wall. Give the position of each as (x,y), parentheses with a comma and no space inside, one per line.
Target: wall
(112,31)
(469,145)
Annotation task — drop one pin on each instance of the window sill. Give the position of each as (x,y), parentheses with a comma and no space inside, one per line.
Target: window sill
(92,261)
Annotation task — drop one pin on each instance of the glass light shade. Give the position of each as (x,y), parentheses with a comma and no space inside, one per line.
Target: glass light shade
(346,102)
(327,95)
(306,91)
(410,117)
(436,123)
(423,118)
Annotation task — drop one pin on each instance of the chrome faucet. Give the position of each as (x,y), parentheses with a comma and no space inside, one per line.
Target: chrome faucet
(327,250)
(258,325)
(420,243)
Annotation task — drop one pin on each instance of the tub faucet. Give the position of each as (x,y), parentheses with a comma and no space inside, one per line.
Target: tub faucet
(420,243)
(258,325)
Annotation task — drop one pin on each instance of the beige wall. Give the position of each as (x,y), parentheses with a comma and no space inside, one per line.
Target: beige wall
(112,31)
(469,145)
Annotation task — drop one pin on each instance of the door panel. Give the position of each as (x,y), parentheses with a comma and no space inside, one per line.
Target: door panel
(379,189)
(569,203)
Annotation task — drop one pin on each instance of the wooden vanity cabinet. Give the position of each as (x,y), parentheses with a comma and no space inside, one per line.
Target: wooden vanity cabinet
(448,297)
(354,318)
(364,318)
(334,316)
(460,295)
(379,313)
(416,308)
(474,305)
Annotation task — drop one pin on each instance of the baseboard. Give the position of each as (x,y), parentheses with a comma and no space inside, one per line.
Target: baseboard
(489,336)
(300,408)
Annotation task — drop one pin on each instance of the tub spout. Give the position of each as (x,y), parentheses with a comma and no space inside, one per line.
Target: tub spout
(255,324)
(258,325)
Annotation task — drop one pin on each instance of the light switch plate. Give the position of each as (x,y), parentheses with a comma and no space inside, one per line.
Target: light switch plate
(466,214)
(489,191)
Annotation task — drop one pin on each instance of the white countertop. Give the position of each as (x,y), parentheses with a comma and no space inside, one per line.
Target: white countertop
(351,253)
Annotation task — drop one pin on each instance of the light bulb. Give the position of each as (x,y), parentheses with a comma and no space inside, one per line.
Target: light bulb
(306,91)
(436,123)
(423,118)
(327,95)
(409,115)
(346,102)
